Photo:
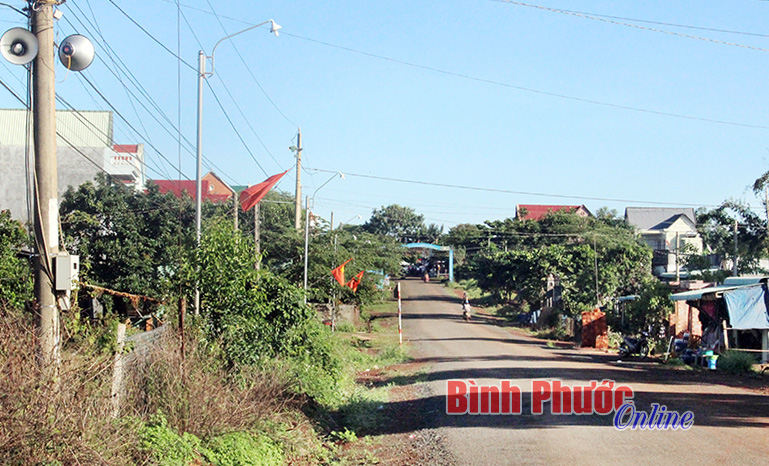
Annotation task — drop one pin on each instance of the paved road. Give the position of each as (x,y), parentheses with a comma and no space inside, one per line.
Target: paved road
(730,423)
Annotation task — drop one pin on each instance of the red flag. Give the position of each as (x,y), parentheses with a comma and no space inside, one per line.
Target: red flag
(338,272)
(251,196)
(354,282)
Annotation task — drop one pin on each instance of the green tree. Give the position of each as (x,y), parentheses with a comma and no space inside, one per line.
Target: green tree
(519,257)
(716,227)
(127,240)
(401,223)
(15,272)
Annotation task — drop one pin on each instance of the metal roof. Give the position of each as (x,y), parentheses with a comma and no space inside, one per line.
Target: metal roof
(651,218)
(738,281)
(82,128)
(697,294)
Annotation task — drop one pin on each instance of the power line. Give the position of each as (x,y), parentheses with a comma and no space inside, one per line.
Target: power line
(635,26)
(149,34)
(227,116)
(117,112)
(661,23)
(248,68)
(143,93)
(507,191)
(528,89)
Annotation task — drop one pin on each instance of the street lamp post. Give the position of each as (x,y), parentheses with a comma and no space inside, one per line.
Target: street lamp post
(307,229)
(202,75)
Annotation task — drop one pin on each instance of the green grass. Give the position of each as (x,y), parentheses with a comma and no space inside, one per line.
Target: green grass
(169,448)
(736,362)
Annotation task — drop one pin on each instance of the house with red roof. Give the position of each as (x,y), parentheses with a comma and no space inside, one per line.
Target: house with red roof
(538,212)
(212,187)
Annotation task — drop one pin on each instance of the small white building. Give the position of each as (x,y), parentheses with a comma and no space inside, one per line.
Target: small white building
(667,231)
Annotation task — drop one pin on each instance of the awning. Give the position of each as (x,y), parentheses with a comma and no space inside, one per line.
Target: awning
(697,294)
(747,308)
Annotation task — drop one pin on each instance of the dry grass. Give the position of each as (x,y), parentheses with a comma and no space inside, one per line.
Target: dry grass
(55,421)
(71,423)
(196,394)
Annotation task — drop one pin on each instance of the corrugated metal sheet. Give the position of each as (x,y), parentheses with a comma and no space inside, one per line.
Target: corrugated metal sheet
(84,128)
(648,218)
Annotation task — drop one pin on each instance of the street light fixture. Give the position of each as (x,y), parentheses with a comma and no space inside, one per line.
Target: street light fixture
(307,227)
(202,74)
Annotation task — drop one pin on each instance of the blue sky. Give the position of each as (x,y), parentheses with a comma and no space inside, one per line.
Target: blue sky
(485,94)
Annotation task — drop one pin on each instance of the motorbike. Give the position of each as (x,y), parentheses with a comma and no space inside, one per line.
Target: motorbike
(466,312)
(635,346)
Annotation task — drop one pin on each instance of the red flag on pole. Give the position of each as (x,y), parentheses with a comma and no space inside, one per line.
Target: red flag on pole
(355,281)
(251,196)
(338,272)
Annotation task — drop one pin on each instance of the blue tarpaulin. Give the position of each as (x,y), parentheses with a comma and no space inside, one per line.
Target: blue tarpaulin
(747,308)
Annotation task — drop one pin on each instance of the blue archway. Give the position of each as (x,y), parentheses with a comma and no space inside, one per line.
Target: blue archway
(437,248)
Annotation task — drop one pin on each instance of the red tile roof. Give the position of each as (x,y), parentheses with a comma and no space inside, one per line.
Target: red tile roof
(177,187)
(130,148)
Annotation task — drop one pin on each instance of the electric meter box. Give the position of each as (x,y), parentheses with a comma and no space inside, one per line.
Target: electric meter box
(66,269)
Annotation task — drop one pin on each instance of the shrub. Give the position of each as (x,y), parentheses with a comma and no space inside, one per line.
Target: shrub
(15,273)
(165,446)
(168,448)
(243,448)
(736,362)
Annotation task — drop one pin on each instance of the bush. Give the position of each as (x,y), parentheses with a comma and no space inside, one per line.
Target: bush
(736,362)
(15,273)
(243,448)
(167,448)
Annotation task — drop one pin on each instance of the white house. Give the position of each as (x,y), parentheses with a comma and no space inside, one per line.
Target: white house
(666,231)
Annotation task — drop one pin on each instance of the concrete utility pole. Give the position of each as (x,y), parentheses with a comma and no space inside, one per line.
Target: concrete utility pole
(46,185)
(235,206)
(257,236)
(734,265)
(298,196)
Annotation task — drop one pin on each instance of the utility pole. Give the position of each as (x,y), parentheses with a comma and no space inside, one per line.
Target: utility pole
(678,269)
(306,243)
(46,185)
(332,220)
(235,209)
(257,236)
(734,265)
(298,195)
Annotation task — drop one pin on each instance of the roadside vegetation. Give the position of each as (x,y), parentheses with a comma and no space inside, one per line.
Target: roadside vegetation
(258,377)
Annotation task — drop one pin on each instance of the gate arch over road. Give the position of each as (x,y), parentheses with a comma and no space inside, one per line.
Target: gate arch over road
(437,248)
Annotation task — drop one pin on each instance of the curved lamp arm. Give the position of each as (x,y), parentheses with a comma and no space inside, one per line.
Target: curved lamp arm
(274,27)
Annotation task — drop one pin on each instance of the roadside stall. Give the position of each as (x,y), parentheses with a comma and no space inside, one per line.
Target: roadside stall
(738,306)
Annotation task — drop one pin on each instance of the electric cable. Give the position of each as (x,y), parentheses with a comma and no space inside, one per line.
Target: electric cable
(248,68)
(227,116)
(507,191)
(152,37)
(529,89)
(209,164)
(635,26)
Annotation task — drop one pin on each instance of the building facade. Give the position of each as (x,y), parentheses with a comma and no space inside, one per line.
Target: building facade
(84,149)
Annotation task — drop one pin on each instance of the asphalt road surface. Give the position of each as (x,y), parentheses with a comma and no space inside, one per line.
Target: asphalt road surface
(730,422)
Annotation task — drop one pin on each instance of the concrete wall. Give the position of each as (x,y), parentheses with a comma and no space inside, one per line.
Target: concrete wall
(73,170)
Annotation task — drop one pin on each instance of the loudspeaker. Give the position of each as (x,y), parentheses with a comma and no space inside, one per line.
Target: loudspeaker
(18,46)
(76,52)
